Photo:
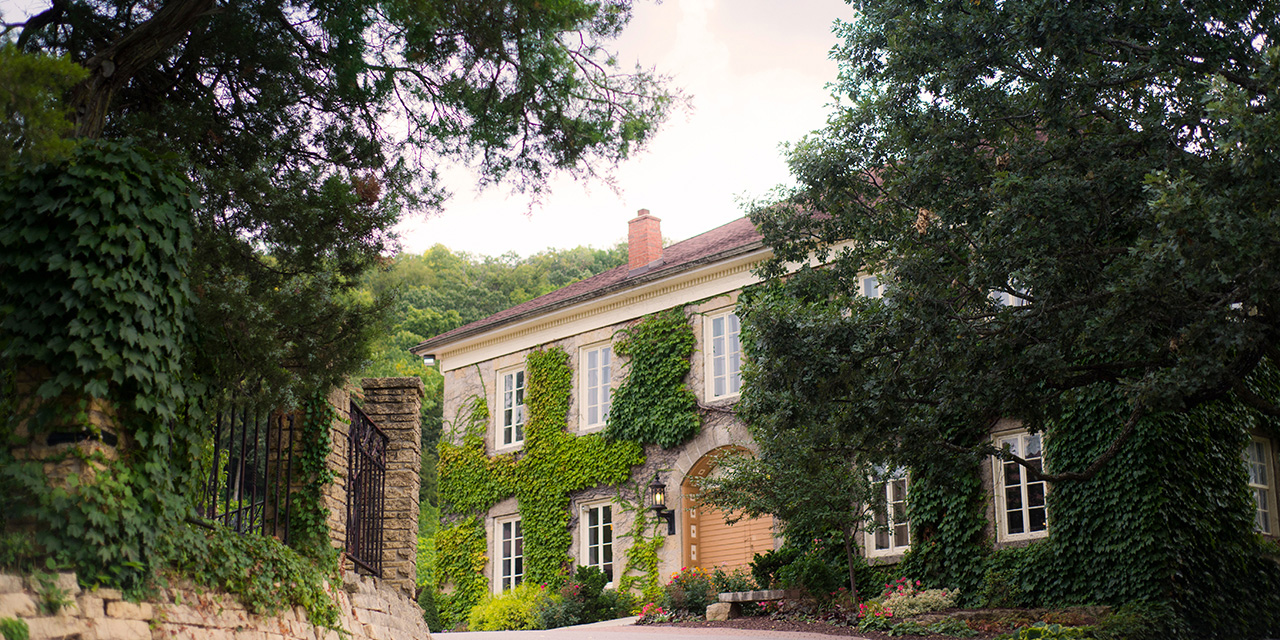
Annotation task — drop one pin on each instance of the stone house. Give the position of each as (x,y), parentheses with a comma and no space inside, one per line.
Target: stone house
(702,276)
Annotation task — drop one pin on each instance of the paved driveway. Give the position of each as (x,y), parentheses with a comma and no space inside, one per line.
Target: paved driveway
(623,629)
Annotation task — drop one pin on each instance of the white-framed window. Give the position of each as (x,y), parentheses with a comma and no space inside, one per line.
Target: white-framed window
(1021,512)
(871,287)
(1257,461)
(597,392)
(724,377)
(510,554)
(511,386)
(891,534)
(597,538)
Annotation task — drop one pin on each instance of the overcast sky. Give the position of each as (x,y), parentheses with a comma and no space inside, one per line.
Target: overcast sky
(757,71)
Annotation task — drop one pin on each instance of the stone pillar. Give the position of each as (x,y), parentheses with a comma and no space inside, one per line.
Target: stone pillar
(335,494)
(394,404)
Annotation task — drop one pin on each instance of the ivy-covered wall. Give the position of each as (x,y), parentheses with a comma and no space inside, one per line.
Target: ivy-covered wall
(560,468)
(1169,522)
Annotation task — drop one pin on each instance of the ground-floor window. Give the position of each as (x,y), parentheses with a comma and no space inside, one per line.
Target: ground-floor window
(1020,500)
(511,543)
(598,538)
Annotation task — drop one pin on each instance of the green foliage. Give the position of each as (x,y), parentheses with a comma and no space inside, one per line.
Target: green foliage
(460,560)
(952,627)
(553,464)
(14,629)
(52,596)
(267,576)
(430,613)
(1043,631)
(34,123)
(106,234)
(18,552)
(765,566)
(582,599)
(512,611)
(641,570)
(1140,621)
(308,515)
(689,591)
(653,404)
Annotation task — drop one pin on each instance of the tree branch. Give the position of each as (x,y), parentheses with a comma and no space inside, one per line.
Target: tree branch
(1116,445)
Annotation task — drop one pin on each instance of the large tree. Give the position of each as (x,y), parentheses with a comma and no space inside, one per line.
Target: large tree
(307,128)
(1057,195)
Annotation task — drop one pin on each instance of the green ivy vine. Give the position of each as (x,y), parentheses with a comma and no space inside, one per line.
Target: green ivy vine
(653,404)
(460,561)
(641,569)
(308,515)
(542,476)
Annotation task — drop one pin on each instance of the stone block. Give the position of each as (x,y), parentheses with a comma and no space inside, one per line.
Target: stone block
(723,611)
(108,594)
(91,606)
(54,628)
(10,583)
(68,583)
(16,605)
(129,610)
(372,602)
(109,629)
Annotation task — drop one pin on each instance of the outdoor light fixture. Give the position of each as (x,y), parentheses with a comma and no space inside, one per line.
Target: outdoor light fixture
(428,360)
(658,500)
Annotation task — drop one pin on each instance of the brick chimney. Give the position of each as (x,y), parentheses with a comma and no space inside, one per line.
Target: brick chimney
(644,240)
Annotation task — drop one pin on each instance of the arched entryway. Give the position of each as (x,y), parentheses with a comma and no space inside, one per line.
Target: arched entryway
(709,541)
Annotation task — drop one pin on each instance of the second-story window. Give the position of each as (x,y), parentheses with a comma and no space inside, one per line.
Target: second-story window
(596,376)
(512,388)
(726,356)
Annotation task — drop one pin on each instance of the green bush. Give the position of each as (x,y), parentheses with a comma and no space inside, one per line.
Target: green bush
(616,604)
(430,614)
(514,610)
(814,573)
(736,580)
(14,629)
(689,592)
(765,566)
(558,611)
(1042,631)
(1140,621)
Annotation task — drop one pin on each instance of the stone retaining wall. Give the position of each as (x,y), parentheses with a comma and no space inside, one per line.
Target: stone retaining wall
(369,609)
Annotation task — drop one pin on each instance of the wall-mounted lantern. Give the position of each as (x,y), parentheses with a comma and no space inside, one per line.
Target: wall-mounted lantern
(658,502)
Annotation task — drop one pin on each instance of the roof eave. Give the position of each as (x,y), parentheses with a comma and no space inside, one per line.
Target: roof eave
(429,345)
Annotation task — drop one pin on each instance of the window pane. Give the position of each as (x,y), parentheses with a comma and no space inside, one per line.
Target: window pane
(1012,474)
(1037,517)
(1013,498)
(882,540)
(869,285)
(1033,446)
(1035,494)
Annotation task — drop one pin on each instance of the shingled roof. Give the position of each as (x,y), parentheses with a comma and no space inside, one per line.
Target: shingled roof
(734,238)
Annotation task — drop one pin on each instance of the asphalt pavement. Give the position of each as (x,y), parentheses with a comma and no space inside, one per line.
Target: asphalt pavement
(626,629)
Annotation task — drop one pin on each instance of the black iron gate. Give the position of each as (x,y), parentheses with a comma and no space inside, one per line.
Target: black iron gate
(247,468)
(366,501)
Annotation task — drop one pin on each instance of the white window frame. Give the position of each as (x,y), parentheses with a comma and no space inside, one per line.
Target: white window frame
(886,484)
(870,286)
(508,572)
(519,416)
(730,376)
(1262,485)
(607,545)
(604,384)
(1025,488)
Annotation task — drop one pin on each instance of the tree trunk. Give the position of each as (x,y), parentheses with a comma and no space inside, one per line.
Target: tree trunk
(848,555)
(114,66)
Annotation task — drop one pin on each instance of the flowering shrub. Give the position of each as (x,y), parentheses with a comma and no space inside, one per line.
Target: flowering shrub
(651,613)
(905,598)
(689,591)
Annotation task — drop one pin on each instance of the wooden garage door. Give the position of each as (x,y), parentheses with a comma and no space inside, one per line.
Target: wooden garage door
(730,546)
